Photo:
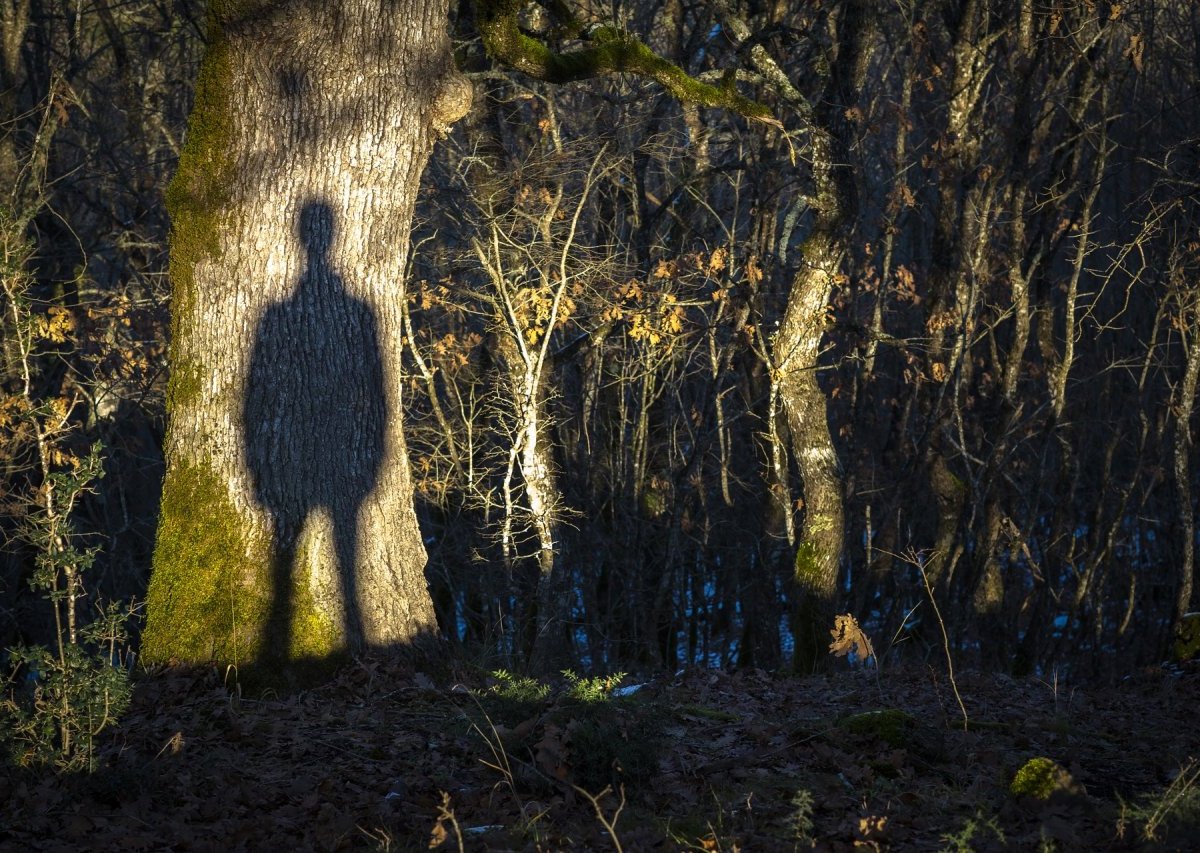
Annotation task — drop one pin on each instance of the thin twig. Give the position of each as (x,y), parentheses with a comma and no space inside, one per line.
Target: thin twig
(610,826)
(916,561)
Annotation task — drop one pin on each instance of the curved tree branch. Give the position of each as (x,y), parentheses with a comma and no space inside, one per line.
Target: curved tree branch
(610,50)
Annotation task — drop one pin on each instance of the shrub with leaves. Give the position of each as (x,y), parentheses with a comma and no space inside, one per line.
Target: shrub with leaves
(1172,813)
(59,699)
(56,699)
(67,699)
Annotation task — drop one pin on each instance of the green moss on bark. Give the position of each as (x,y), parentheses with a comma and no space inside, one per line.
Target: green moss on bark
(197,201)
(200,606)
(808,565)
(812,617)
(314,635)
(210,593)
(611,50)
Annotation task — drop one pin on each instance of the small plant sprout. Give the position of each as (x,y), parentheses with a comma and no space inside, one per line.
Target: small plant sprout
(596,689)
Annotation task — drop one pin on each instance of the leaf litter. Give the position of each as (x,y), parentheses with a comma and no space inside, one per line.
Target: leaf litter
(385,758)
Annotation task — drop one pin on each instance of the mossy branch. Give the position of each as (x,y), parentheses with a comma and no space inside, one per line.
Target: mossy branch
(610,50)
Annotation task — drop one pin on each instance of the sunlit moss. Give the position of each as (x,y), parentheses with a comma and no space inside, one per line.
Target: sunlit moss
(211,589)
(609,50)
(200,606)
(197,200)
(1038,778)
(808,564)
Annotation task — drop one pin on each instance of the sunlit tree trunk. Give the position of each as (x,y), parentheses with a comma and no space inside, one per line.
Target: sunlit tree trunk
(1181,452)
(287,528)
(796,346)
(14,19)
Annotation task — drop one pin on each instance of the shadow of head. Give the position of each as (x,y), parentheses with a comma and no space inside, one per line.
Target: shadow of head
(315,228)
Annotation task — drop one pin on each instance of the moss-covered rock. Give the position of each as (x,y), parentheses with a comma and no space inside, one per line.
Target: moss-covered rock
(1039,778)
(891,725)
(1187,638)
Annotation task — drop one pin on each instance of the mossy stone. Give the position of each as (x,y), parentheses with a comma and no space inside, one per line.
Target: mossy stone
(1039,778)
(890,725)
(1187,638)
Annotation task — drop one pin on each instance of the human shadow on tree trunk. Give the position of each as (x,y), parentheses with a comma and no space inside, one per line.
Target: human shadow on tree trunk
(314,418)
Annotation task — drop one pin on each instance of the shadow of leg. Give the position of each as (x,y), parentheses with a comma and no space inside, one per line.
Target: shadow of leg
(345,532)
(277,637)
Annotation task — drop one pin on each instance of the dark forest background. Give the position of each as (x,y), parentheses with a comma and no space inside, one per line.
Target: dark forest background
(1008,361)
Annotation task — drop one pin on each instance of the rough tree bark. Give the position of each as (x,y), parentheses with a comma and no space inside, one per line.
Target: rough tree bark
(1181,455)
(287,528)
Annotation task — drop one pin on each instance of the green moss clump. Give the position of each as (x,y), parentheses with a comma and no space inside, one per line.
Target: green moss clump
(1187,638)
(210,592)
(890,725)
(1039,778)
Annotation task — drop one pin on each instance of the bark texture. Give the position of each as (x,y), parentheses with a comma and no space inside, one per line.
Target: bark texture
(287,527)
(797,348)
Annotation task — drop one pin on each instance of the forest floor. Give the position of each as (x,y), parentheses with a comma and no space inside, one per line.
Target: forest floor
(383,758)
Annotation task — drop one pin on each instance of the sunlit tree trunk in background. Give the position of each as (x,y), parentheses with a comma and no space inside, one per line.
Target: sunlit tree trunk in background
(528,303)
(287,526)
(795,347)
(1189,326)
(796,351)
(14,19)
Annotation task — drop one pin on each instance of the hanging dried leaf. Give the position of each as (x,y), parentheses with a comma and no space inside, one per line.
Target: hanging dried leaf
(848,637)
(1136,50)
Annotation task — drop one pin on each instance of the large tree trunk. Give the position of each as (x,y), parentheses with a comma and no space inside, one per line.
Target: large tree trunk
(287,527)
